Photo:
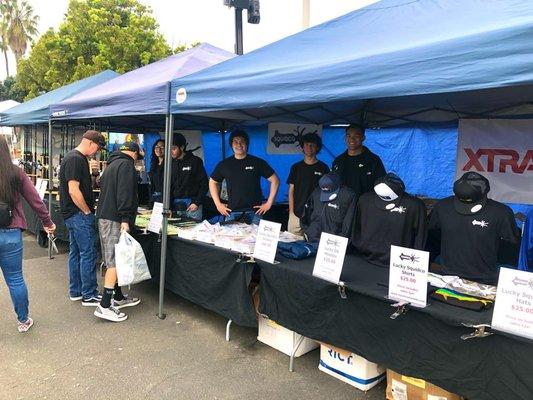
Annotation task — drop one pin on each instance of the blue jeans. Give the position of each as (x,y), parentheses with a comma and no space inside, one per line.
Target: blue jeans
(82,255)
(244,216)
(189,214)
(11,264)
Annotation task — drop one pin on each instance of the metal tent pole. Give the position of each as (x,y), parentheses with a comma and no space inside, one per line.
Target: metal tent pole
(50,180)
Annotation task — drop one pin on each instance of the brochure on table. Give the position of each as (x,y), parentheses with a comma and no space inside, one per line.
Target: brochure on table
(156,219)
(513,309)
(266,242)
(330,257)
(408,275)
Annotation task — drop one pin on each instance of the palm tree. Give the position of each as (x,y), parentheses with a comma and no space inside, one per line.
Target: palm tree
(22,25)
(4,45)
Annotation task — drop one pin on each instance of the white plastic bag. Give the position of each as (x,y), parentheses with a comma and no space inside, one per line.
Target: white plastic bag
(130,261)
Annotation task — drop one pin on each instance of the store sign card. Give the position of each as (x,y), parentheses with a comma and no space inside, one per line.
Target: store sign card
(330,257)
(156,219)
(408,275)
(266,242)
(513,310)
(41,185)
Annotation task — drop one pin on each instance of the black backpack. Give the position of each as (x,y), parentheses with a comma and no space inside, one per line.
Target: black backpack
(6,215)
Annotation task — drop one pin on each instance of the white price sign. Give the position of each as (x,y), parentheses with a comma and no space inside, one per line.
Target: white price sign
(408,275)
(330,257)
(513,310)
(266,242)
(156,219)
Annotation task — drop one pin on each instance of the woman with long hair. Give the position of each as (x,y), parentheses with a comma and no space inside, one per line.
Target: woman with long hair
(15,184)
(157,167)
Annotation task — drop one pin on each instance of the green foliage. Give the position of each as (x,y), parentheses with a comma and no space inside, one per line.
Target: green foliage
(185,47)
(120,35)
(9,90)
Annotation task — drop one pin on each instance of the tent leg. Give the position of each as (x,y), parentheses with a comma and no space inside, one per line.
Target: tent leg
(50,181)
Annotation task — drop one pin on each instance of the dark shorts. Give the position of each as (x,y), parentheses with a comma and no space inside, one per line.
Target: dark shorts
(109,235)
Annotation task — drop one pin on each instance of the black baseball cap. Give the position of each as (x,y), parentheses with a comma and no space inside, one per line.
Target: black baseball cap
(389,191)
(330,185)
(132,146)
(95,137)
(470,193)
(179,140)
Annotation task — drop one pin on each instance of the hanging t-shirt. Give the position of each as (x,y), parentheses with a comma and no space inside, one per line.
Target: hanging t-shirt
(74,167)
(380,224)
(243,180)
(469,243)
(305,179)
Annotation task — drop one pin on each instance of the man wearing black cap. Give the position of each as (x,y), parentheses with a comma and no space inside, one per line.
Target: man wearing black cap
(388,216)
(189,180)
(358,166)
(243,173)
(330,209)
(77,205)
(117,209)
(303,179)
(470,227)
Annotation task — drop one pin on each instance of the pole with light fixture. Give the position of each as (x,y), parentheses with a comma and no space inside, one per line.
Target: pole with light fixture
(254,17)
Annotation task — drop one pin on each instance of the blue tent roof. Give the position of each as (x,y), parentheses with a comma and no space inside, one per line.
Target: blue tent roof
(425,60)
(36,111)
(143,91)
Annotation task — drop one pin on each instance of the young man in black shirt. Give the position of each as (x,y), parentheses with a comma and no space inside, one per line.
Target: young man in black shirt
(470,228)
(117,209)
(189,181)
(358,167)
(243,173)
(77,206)
(303,179)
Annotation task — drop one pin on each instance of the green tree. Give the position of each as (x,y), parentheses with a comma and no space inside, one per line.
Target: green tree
(10,91)
(121,35)
(21,25)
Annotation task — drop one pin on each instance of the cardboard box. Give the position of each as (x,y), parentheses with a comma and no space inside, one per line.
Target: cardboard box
(283,339)
(350,367)
(401,387)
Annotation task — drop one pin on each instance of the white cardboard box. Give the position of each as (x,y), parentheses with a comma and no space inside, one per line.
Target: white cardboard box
(283,339)
(350,367)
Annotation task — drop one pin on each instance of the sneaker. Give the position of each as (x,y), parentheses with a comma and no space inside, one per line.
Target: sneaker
(75,298)
(92,302)
(126,302)
(111,314)
(25,326)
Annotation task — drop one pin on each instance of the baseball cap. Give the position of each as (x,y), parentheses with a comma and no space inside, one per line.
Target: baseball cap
(179,140)
(330,185)
(389,189)
(96,137)
(132,146)
(470,193)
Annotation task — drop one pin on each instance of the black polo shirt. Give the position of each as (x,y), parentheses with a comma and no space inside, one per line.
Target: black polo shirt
(305,179)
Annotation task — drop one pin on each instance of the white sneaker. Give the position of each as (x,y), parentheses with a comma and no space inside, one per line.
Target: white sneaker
(75,298)
(126,302)
(111,314)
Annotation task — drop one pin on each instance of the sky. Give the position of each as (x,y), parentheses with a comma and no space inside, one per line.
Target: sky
(189,21)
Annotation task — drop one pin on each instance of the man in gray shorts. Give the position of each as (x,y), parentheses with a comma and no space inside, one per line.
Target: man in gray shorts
(116,211)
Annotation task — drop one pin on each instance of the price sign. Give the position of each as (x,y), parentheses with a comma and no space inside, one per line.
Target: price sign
(156,219)
(513,310)
(330,257)
(266,242)
(408,275)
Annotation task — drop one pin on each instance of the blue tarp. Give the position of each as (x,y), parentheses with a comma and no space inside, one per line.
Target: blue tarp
(37,110)
(395,57)
(143,91)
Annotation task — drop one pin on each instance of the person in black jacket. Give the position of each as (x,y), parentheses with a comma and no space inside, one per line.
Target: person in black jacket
(330,209)
(358,167)
(157,168)
(116,212)
(189,181)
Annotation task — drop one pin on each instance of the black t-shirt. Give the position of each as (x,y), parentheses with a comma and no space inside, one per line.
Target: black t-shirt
(305,179)
(74,167)
(379,224)
(243,180)
(189,179)
(469,243)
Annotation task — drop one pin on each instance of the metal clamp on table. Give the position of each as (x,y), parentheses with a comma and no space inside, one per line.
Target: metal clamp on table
(401,308)
(480,331)
(342,290)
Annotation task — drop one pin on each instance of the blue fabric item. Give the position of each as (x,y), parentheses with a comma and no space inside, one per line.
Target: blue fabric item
(407,56)
(143,91)
(11,264)
(525,261)
(297,250)
(37,110)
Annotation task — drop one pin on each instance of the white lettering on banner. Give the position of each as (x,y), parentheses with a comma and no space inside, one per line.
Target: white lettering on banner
(513,310)
(502,151)
(330,257)
(286,138)
(266,242)
(156,219)
(408,275)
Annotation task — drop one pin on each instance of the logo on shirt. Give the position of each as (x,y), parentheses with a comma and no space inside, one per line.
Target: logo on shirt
(318,173)
(186,168)
(361,165)
(333,205)
(481,223)
(399,209)
(249,168)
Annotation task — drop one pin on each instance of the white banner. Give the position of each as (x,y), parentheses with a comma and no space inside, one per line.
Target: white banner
(286,138)
(502,151)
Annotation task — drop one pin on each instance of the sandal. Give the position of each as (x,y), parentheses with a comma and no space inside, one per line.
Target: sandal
(25,326)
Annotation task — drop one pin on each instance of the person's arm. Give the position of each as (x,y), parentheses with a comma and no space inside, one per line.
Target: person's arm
(274,186)
(214,188)
(125,193)
(379,168)
(201,184)
(31,195)
(291,198)
(77,197)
